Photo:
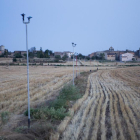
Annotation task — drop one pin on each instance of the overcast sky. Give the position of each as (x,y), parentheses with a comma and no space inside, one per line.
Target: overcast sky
(94,25)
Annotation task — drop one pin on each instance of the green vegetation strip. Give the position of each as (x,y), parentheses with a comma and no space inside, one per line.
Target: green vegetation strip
(58,108)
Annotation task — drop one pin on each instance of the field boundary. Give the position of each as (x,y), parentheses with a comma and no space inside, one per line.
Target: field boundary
(72,110)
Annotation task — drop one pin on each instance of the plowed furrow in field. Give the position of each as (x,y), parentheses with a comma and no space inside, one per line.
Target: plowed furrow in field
(78,120)
(112,111)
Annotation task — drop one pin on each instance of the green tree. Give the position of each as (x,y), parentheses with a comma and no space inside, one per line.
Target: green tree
(6,53)
(87,57)
(40,54)
(93,57)
(14,60)
(31,54)
(18,55)
(102,56)
(64,57)
(47,54)
(57,58)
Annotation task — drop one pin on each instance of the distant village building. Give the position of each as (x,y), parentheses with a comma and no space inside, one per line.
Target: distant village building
(126,57)
(138,53)
(92,54)
(1,53)
(58,53)
(69,54)
(110,56)
(100,52)
(17,52)
(2,48)
(33,49)
(21,52)
(111,49)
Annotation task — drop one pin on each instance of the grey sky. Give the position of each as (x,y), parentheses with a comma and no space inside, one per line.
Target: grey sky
(94,25)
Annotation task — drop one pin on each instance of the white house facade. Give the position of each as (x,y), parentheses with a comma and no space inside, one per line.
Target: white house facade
(69,54)
(126,57)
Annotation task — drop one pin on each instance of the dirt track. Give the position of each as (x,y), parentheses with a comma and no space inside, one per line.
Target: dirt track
(111,111)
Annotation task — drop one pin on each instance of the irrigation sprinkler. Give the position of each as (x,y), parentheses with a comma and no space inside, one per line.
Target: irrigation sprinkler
(23,15)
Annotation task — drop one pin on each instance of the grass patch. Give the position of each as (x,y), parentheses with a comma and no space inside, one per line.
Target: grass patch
(20,129)
(2,138)
(81,81)
(58,108)
(50,113)
(4,117)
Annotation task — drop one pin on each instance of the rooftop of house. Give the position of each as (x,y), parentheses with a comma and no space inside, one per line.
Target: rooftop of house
(67,52)
(58,53)
(111,53)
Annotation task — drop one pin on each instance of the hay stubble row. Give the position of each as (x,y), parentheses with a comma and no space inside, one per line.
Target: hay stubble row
(111,110)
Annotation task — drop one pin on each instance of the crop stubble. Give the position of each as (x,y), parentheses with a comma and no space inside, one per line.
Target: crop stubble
(111,110)
(44,82)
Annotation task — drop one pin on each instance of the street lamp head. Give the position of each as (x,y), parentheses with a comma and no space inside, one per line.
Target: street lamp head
(29,18)
(73,44)
(23,16)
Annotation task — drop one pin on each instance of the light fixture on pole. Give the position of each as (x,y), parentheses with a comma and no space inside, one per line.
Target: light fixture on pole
(74,45)
(23,15)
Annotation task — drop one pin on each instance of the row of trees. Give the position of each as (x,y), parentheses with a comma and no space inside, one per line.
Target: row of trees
(5,54)
(41,54)
(100,57)
(80,56)
(58,58)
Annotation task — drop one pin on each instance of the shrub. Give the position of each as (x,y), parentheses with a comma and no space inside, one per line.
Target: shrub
(69,92)
(20,129)
(58,113)
(45,113)
(58,103)
(57,109)
(32,111)
(14,60)
(4,117)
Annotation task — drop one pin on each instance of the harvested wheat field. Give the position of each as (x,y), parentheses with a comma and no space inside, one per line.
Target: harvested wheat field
(44,81)
(110,108)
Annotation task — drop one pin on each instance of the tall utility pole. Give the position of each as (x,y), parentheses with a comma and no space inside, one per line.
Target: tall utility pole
(74,45)
(79,66)
(27,67)
(76,64)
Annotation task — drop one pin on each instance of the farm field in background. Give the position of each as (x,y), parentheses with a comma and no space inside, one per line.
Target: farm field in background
(102,63)
(44,81)
(111,109)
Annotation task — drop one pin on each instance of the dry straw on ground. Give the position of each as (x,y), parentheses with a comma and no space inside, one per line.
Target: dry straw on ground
(111,109)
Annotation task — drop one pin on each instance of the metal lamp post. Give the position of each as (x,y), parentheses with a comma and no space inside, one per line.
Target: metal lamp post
(27,67)
(76,64)
(79,65)
(74,45)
